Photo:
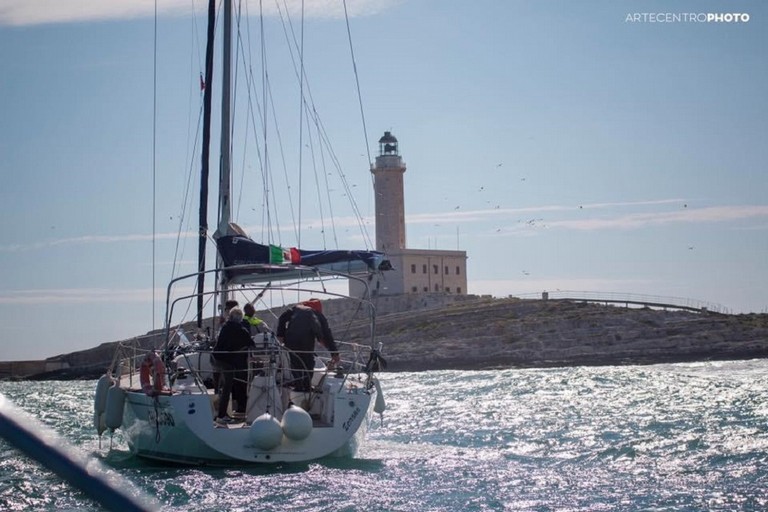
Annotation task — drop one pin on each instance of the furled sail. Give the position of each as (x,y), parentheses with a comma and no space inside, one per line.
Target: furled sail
(238,250)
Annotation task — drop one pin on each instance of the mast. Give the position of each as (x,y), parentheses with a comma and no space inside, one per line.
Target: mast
(203,233)
(225,207)
(226,128)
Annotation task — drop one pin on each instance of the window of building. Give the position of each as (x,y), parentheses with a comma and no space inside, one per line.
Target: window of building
(413,268)
(446,270)
(426,289)
(424,269)
(458,270)
(414,289)
(447,289)
(437,287)
(458,290)
(434,269)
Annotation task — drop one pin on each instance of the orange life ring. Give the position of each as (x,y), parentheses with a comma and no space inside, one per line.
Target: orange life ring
(152,374)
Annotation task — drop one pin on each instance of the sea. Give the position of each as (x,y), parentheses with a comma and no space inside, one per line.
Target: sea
(669,437)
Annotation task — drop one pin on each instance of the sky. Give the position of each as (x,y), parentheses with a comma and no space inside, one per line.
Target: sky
(616,147)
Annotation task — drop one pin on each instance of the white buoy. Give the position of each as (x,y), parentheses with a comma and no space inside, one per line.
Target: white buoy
(113,416)
(266,432)
(380,405)
(297,423)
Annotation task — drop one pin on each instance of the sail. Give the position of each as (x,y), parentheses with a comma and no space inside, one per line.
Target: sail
(237,250)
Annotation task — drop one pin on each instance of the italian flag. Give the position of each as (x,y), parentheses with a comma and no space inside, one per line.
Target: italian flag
(281,256)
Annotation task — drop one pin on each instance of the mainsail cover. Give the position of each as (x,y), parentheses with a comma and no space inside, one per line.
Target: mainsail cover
(238,250)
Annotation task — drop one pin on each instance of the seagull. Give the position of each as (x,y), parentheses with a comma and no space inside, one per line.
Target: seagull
(499,164)
(457,207)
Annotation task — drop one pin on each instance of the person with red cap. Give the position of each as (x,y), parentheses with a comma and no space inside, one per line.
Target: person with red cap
(298,328)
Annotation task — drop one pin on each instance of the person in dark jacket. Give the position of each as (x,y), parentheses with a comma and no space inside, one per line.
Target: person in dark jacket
(214,363)
(232,358)
(298,328)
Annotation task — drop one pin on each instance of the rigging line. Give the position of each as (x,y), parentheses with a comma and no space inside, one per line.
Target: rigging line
(239,51)
(292,43)
(187,189)
(154,165)
(362,116)
(250,118)
(190,152)
(301,114)
(328,194)
(262,113)
(233,111)
(266,210)
(320,145)
(311,110)
(345,183)
(317,185)
(357,82)
(277,126)
(263,108)
(270,177)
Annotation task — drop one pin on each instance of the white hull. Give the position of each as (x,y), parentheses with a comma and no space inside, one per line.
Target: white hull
(180,428)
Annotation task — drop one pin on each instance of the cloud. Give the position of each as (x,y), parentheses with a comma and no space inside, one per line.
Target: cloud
(93,239)
(628,221)
(688,215)
(76,296)
(37,12)
(491,213)
(614,221)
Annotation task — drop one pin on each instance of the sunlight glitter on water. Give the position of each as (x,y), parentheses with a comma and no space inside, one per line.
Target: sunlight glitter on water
(666,437)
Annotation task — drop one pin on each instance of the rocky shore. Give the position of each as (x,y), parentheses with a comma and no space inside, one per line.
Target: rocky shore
(503,333)
(469,333)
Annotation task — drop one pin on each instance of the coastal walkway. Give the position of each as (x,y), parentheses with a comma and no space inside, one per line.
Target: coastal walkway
(634,300)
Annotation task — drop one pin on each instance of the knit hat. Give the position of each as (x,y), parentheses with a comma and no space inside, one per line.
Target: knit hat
(314,304)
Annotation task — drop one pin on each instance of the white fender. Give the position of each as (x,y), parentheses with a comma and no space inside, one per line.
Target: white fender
(380,405)
(113,415)
(266,432)
(98,423)
(297,423)
(100,401)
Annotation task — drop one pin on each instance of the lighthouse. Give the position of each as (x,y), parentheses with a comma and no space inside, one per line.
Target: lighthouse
(388,174)
(414,271)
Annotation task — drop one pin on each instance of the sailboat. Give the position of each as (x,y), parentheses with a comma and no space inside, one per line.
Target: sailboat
(164,399)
